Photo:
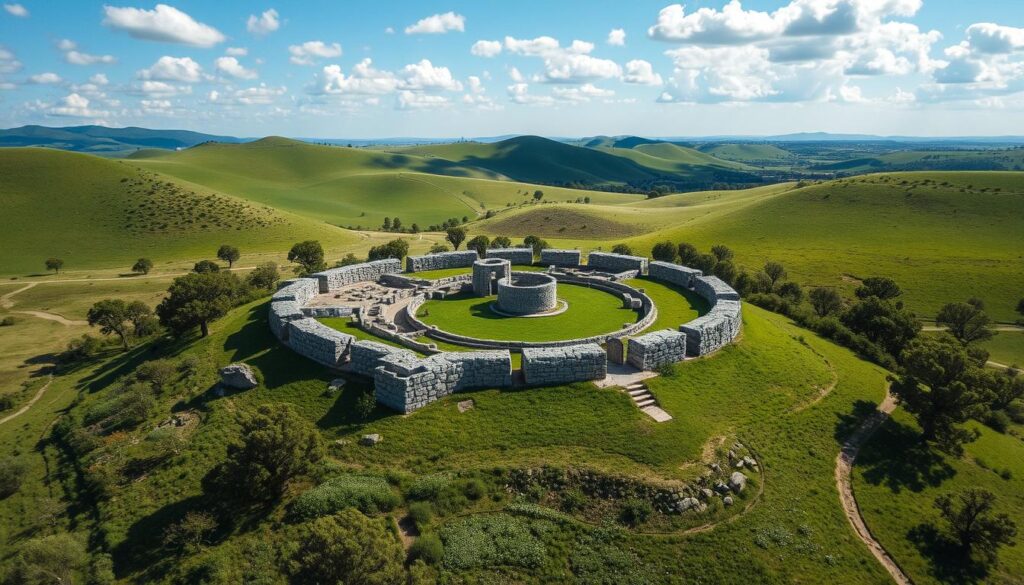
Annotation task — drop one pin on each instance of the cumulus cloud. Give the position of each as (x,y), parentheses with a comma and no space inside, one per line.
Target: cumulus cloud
(48,78)
(582,93)
(16,10)
(263,24)
(486,48)
(520,94)
(182,69)
(410,100)
(99,79)
(641,72)
(75,106)
(8,62)
(572,64)
(308,52)
(237,51)
(425,76)
(260,95)
(617,37)
(72,55)
(163,23)
(231,67)
(160,89)
(987,37)
(437,24)
(363,80)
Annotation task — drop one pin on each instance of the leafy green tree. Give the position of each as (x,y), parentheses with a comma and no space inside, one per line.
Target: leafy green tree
(387,224)
(722,253)
(725,270)
(880,287)
(705,263)
(883,322)
(427,548)
(775,271)
(49,559)
(456,235)
(142,266)
(536,243)
(687,254)
(309,255)
(397,248)
(12,473)
(792,292)
(972,525)
(825,301)
(204,266)
(141,317)
(54,264)
(160,373)
(1020,309)
(664,251)
(415,228)
(439,248)
(264,277)
(501,242)
(190,533)
(196,299)
(111,316)
(348,260)
(942,389)
(396,225)
(623,249)
(538,195)
(480,244)
(276,446)
(229,254)
(349,549)
(967,322)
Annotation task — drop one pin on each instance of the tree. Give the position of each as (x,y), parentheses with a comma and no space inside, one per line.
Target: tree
(396,225)
(725,270)
(536,243)
(12,472)
(538,195)
(883,322)
(397,248)
(350,549)
(705,263)
(664,251)
(775,272)
(456,235)
(141,317)
(622,249)
(204,266)
(142,266)
(967,322)
(439,248)
(276,446)
(501,242)
(348,260)
(387,224)
(1020,309)
(49,559)
(160,373)
(479,243)
(54,264)
(791,291)
(264,277)
(195,300)
(971,524)
(687,254)
(722,253)
(415,228)
(880,287)
(229,254)
(309,255)
(825,301)
(941,388)
(190,532)
(111,316)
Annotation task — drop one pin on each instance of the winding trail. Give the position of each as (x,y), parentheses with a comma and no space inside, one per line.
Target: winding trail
(844,467)
(28,405)
(7,303)
(54,317)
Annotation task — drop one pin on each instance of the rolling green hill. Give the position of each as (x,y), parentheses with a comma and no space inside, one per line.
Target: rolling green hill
(104,140)
(94,212)
(749,153)
(1011,159)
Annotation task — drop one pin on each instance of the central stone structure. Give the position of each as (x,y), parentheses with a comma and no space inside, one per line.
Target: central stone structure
(527,293)
(487,272)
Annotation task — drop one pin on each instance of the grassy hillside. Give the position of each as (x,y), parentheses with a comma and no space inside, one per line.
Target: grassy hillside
(749,153)
(354,187)
(1011,159)
(94,212)
(104,140)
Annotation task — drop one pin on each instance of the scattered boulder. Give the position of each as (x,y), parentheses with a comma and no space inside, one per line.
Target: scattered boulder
(737,481)
(721,488)
(370,440)
(336,384)
(749,461)
(727,500)
(465,405)
(708,494)
(238,376)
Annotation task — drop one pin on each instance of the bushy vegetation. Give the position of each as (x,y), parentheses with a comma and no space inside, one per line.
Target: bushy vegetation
(368,494)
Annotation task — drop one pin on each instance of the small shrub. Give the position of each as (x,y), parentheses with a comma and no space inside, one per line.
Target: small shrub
(573,500)
(8,321)
(12,473)
(421,514)
(474,489)
(634,512)
(365,405)
(427,487)
(427,548)
(365,493)
(491,540)
(998,421)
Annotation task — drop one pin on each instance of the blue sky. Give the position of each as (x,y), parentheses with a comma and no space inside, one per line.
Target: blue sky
(479,68)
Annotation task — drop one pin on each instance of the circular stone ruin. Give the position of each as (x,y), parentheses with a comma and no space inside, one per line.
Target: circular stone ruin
(486,274)
(527,293)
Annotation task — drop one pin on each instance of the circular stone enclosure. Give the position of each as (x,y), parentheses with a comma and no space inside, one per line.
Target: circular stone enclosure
(527,293)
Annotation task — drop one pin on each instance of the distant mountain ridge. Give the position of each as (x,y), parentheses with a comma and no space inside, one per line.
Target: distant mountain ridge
(104,140)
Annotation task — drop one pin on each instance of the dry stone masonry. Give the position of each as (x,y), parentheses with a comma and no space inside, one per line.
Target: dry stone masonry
(406,383)
(719,326)
(336,278)
(486,274)
(527,293)
(318,342)
(552,257)
(545,366)
(609,262)
(673,273)
(441,261)
(513,255)
(653,350)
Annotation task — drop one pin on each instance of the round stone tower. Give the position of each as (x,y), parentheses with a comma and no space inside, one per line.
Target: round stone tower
(487,272)
(527,293)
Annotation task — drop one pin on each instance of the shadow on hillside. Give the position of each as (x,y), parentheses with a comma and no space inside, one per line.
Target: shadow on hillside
(848,423)
(253,337)
(897,458)
(948,562)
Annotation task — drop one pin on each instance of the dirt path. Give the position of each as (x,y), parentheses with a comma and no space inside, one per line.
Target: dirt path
(28,405)
(3,299)
(844,466)
(54,317)
(7,303)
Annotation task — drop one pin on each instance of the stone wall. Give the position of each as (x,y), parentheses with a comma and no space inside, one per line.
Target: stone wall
(281,313)
(552,257)
(365,355)
(648,352)
(561,365)
(458,259)
(609,262)
(406,383)
(710,332)
(300,290)
(713,289)
(318,342)
(526,293)
(486,273)
(673,273)
(335,278)
(513,255)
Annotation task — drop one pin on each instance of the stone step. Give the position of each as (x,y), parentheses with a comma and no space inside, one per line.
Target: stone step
(633,387)
(638,391)
(644,403)
(642,396)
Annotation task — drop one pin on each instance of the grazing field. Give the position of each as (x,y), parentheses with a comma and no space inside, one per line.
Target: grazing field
(755,154)
(1006,348)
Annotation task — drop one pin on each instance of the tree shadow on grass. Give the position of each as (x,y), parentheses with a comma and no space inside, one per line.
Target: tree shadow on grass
(897,458)
(949,563)
(253,337)
(848,423)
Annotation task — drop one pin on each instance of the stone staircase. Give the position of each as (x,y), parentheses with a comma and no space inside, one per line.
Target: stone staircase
(645,401)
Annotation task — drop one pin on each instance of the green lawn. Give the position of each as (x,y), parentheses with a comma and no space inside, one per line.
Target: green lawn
(591,312)
(1006,348)
(676,305)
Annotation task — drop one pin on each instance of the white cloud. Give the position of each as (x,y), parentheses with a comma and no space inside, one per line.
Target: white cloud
(48,78)
(617,37)
(263,24)
(99,79)
(582,93)
(572,64)
(409,100)
(641,72)
(260,95)
(531,47)
(424,76)
(157,89)
(987,37)
(730,25)
(16,10)
(389,30)
(515,75)
(8,62)
(164,23)
(75,57)
(231,66)
(486,48)
(363,80)
(438,24)
(166,68)
(520,94)
(75,106)
(237,51)
(308,52)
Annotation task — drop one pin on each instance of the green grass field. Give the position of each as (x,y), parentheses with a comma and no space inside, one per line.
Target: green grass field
(1006,348)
